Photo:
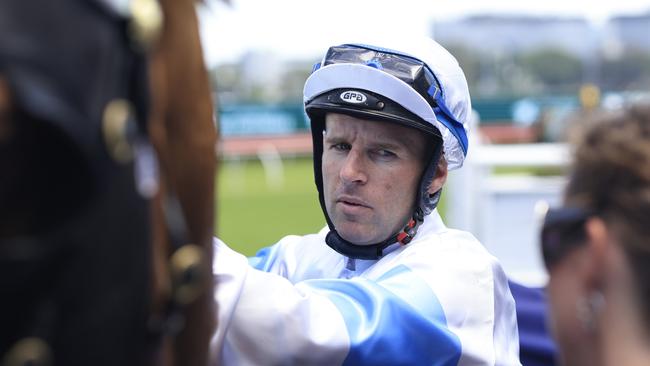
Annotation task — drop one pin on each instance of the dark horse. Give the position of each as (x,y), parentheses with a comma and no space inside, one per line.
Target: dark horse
(107,169)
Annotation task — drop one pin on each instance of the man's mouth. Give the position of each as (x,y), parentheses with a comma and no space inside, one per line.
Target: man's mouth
(352,201)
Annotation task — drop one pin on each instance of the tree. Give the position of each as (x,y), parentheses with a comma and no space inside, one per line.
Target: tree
(628,72)
(556,69)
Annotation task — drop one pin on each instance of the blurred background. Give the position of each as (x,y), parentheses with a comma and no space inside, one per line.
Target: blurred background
(533,70)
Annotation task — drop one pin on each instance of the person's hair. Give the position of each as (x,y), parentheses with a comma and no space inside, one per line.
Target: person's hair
(611,176)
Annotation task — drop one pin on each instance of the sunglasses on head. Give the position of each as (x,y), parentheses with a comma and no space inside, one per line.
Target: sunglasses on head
(563,230)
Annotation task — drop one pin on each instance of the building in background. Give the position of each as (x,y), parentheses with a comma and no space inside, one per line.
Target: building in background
(515,34)
(632,32)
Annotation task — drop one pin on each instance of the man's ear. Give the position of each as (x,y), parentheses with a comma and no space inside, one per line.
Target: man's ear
(441,176)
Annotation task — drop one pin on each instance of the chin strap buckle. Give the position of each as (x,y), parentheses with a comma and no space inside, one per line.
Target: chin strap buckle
(411,228)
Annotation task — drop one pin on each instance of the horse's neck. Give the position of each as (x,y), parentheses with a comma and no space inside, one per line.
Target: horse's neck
(183,133)
(182,120)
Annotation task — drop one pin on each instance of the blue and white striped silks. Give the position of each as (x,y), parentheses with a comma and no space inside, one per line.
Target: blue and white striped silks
(440,300)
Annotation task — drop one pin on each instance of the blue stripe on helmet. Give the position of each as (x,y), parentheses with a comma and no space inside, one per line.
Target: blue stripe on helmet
(445,117)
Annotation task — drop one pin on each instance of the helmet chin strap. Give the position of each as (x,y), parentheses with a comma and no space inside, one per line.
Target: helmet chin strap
(375,251)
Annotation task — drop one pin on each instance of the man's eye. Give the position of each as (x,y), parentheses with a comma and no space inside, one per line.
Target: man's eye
(340,146)
(385,153)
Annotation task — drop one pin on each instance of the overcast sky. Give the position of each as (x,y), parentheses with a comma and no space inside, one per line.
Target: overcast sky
(302,29)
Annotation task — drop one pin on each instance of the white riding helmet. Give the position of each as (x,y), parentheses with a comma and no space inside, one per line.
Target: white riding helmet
(415,83)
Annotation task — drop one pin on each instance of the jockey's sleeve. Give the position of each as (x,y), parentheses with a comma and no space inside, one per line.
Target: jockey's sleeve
(264,319)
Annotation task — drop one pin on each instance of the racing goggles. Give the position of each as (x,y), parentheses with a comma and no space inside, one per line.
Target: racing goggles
(408,69)
(563,230)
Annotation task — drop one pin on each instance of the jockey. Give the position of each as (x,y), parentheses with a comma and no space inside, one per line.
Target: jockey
(385,282)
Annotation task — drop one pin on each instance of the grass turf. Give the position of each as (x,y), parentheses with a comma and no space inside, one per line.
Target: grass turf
(255,210)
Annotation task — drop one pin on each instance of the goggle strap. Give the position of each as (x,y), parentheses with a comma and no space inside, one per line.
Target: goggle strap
(434,91)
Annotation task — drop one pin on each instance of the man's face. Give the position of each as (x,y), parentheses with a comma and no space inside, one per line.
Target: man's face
(371,172)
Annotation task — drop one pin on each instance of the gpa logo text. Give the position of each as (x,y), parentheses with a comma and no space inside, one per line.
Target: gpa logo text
(353,97)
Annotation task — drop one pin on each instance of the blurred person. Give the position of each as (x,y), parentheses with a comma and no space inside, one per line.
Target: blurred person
(74,287)
(596,246)
(385,282)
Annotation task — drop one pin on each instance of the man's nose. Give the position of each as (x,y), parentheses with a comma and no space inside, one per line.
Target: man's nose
(353,169)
